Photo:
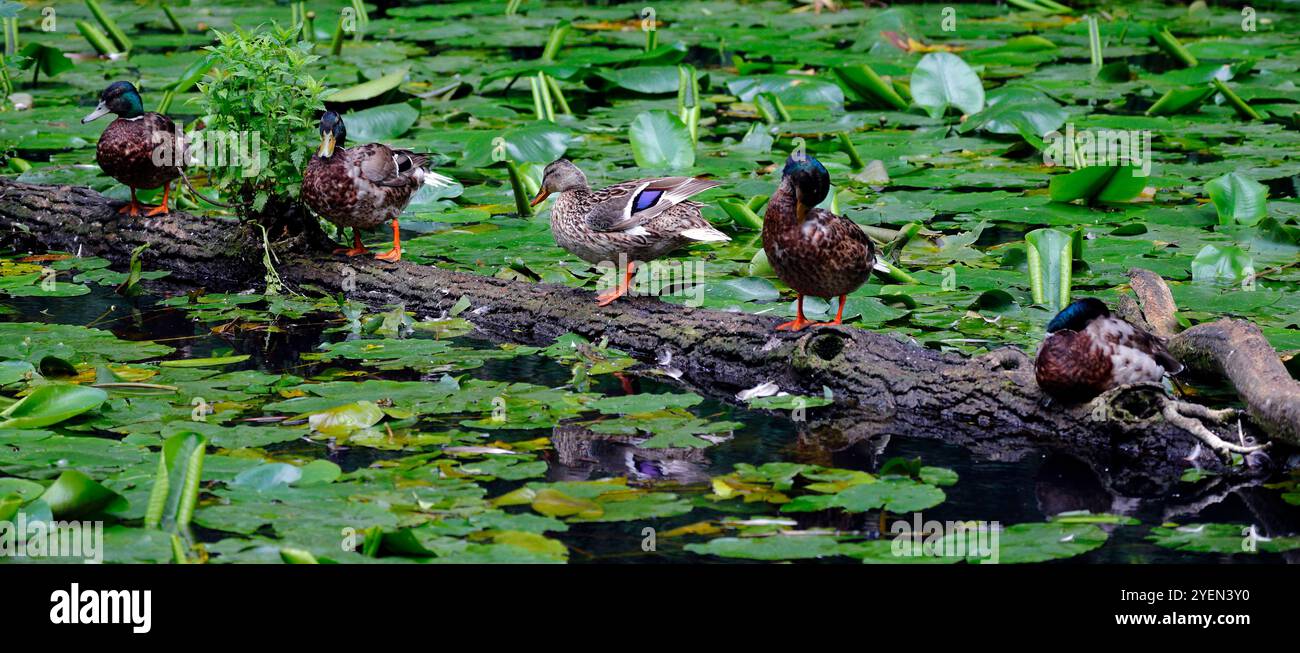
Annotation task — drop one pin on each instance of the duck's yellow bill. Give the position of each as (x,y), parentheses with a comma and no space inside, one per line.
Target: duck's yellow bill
(326,145)
(541,197)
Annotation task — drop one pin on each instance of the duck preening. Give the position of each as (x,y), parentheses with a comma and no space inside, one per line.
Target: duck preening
(126,147)
(634,221)
(812,250)
(363,186)
(1088,351)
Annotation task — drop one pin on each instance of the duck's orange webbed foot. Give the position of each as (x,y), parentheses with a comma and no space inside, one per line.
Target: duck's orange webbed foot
(795,324)
(357,248)
(162,208)
(839,315)
(798,322)
(606,298)
(394,254)
(133,208)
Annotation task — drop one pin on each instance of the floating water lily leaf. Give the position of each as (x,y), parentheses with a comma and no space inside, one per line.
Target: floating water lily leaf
(1220,538)
(645,402)
(268,476)
(342,421)
(1222,263)
(380,124)
(1238,198)
(942,80)
(661,142)
(540,144)
(776,547)
(51,403)
(73,495)
(1023,543)
(892,494)
(1098,184)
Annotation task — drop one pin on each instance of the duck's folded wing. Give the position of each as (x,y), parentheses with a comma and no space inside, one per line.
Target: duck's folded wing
(633,203)
(385,166)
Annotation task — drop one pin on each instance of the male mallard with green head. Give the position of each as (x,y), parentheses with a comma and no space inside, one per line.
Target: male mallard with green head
(363,186)
(1088,351)
(812,250)
(126,148)
(637,221)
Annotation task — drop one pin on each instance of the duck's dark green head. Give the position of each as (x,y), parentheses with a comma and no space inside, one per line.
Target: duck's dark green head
(1078,314)
(119,98)
(332,133)
(810,179)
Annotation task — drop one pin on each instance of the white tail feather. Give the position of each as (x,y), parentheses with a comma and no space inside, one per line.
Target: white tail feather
(706,235)
(436,180)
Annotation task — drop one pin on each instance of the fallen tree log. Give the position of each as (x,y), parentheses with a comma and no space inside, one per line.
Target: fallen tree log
(883,386)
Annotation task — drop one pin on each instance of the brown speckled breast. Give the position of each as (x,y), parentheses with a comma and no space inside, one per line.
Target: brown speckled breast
(825,255)
(1070,368)
(361,187)
(125,151)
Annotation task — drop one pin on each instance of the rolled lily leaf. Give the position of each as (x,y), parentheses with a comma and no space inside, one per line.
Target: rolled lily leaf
(1238,199)
(1098,184)
(741,214)
(873,89)
(206,362)
(176,483)
(1180,100)
(368,90)
(1050,260)
(74,494)
(50,404)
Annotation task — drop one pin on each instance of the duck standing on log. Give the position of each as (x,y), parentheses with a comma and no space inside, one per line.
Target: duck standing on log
(637,221)
(1088,351)
(363,186)
(812,250)
(126,147)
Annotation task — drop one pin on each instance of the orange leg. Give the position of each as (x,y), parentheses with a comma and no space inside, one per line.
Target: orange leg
(357,247)
(394,254)
(797,323)
(167,188)
(839,315)
(605,298)
(132,209)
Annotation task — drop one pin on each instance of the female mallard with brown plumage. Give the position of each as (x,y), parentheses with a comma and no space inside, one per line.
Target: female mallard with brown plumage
(126,148)
(362,186)
(1088,351)
(812,250)
(637,221)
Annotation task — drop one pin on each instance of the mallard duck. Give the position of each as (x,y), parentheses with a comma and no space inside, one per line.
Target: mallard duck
(1088,351)
(364,185)
(812,250)
(635,221)
(126,148)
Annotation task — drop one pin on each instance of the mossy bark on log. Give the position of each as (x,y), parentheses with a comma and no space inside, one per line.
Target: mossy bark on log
(883,386)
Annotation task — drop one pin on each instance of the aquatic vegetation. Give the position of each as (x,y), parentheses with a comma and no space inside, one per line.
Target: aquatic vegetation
(1004,166)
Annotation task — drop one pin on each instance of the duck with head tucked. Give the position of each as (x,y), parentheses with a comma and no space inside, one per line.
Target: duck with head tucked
(812,250)
(637,221)
(363,186)
(126,147)
(1088,351)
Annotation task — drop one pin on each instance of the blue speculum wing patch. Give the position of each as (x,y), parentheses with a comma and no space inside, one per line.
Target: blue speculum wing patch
(646,199)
